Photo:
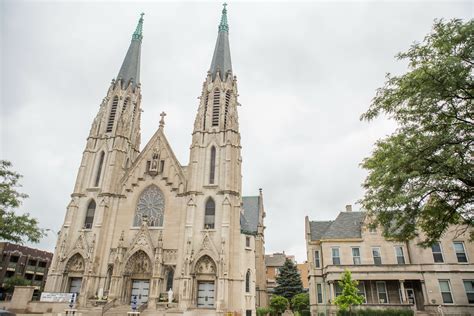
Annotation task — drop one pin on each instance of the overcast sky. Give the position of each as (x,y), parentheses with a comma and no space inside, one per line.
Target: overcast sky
(306,72)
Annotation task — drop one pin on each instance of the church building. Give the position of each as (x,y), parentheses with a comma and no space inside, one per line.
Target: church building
(140,223)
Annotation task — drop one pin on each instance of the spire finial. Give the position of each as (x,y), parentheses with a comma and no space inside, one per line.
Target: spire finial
(137,35)
(224,26)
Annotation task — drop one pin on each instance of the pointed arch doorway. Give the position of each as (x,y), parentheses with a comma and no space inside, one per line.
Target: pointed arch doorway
(137,278)
(205,282)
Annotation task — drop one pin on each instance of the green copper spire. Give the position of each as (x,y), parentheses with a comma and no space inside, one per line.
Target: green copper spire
(221,62)
(130,71)
(137,35)
(224,26)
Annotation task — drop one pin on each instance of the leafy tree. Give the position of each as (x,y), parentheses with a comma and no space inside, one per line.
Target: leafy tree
(14,227)
(350,293)
(262,311)
(10,283)
(300,303)
(421,177)
(278,304)
(288,281)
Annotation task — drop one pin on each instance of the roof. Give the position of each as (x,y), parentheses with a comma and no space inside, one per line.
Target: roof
(275,260)
(346,225)
(130,70)
(221,62)
(250,215)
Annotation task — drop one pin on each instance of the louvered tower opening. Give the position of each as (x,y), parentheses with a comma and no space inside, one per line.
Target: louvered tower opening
(205,110)
(113,111)
(125,103)
(226,109)
(215,108)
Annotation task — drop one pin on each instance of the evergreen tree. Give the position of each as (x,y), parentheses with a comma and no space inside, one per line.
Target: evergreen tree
(288,281)
(350,293)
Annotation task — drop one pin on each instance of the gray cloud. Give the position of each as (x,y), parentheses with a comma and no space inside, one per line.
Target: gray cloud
(306,71)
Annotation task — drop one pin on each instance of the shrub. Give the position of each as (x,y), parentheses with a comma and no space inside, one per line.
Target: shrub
(263,311)
(300,303)
(278,304)
(377,312)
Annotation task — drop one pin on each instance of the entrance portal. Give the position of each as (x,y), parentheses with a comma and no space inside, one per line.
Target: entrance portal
(140,289)
(75,285)
(205,295)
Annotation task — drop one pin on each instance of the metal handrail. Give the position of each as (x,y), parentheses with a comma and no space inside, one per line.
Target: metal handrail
(108,306)
(142,307)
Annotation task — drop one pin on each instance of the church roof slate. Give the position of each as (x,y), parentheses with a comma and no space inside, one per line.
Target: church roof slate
(346,225)
(250,215)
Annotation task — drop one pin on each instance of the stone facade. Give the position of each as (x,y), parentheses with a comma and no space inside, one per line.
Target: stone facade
(140,223)
(391,274)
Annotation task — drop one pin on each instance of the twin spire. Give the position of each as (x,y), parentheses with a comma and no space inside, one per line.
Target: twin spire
(130,71)
(221,63)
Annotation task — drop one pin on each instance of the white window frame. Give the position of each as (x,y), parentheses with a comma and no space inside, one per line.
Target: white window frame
(380,255)
(396,254)
(466,291)
(338,255)
(378,293)
(464,249)
(450,291)
(317,259)
(440,252)
(319,291)
(354,257)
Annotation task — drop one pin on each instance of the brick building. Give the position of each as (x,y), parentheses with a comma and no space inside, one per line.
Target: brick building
(29,263)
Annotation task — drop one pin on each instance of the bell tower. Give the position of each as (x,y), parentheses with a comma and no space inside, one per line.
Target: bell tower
(215,159)
(212,231)
(112,146)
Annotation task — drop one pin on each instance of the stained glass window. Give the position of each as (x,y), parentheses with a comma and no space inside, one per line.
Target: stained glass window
(151,205)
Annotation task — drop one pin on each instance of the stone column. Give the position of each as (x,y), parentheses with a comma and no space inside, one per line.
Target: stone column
(402,290)
(332,294)
(425,293)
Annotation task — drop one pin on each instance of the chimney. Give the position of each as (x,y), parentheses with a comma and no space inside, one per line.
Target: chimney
(348,208)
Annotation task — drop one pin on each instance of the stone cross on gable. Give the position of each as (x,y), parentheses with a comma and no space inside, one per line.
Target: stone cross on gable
(162,121)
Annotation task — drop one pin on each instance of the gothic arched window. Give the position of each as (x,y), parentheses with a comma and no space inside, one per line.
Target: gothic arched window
(226,110)
(99,169)
(247,282)
(210,214)
(169,279)
(212,170)
(113,111)
(150,206)
(216,108)
(90,215)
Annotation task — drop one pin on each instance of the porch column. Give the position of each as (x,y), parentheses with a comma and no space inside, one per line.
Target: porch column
(331,291)
(402,290)
(425,293)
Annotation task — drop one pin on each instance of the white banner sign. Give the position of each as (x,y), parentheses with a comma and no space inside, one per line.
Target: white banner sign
(55,297)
